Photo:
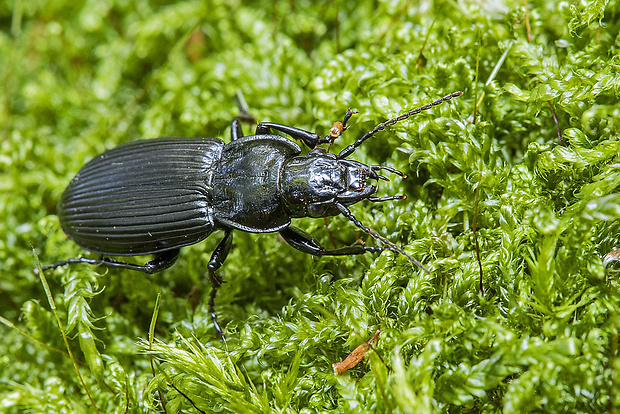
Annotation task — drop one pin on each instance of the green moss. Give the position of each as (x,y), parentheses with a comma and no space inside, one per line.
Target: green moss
(79,77)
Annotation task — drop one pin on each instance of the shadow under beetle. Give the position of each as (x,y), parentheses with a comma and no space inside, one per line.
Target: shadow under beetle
(155,196)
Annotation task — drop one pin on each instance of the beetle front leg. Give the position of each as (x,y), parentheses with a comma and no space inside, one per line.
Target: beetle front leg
(303,241)
(310,139)
(217,259)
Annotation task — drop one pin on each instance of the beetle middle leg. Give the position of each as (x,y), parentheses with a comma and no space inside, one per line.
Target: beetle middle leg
(303,241)
(217,259)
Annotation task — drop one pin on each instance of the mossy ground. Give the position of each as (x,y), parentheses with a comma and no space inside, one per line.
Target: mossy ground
(486,169)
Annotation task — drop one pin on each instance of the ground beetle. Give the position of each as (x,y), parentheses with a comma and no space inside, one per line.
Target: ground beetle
(155,196)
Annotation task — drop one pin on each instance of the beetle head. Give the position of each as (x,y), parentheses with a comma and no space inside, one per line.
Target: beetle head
(312,184)
(321,184)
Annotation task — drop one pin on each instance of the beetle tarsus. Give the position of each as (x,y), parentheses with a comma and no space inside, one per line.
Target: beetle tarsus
(68,262)
(373,233)
(161,261)
(217,259)
(347,116)
(244,109)
(386,198)
(218,329)
(244,116)
(390,169)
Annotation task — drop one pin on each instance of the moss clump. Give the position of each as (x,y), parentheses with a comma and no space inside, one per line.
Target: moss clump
(521,169)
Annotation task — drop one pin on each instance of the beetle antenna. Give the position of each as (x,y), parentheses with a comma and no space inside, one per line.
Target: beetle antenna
(349,149)
(373,233)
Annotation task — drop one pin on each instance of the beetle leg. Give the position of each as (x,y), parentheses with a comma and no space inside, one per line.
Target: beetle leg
(244,111)
(161,261)
(217,259)
(244,116)
(304,242)
(235,129)
(373,233)
(310,139)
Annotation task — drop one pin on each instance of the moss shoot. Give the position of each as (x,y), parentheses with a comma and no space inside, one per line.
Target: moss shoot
(511,204)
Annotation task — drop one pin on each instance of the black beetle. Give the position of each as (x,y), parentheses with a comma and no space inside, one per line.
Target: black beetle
(155,196)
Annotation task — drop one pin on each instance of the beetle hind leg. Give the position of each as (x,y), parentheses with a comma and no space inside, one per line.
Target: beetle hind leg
(160,262)
(217,260)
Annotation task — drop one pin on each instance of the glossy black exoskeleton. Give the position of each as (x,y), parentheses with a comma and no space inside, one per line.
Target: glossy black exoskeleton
(155,196)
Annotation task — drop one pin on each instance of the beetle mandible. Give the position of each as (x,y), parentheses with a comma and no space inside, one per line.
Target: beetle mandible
(154,196)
